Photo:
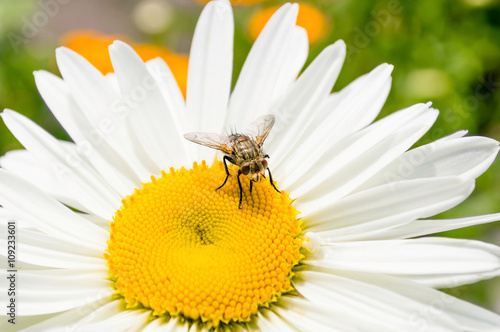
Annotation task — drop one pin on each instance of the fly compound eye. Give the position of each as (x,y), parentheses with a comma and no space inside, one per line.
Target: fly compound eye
(245,169)
(264,163)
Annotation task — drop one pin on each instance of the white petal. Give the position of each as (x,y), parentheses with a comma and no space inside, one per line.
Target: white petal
(430,226)
(456,134)
(48,291)
(468,157)
(66,321)
(157,132)
(72,172)
(110,78)
(209,72)
(172,94)
(350,162)
(101,313)
(48,215)
(7,216)
(154,326)
(197,328)
(105,110)
(23,164)
(173,98)
(89,140)
(255,88)
(307,316)
(353,160)
(269,321)
(24,322)
(359,103)
(293,115)
(435,262)
(357,158)
(295,57)
(96,220)
(433,306)
(339,115)
(389,311)
(172,326)
(389,205)
(44,250)
(113,318)
(109,316)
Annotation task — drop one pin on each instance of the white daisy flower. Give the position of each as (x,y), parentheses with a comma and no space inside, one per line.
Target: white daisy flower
(123,230)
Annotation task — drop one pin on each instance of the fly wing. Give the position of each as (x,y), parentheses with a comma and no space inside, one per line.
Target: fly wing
(211,140)
(260,128)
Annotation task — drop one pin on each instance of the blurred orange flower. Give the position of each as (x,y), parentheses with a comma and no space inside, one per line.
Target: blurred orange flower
(93,46)
(310,18)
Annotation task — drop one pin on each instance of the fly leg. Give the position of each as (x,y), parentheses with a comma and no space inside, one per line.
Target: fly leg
(226,158)
(270,176)
(241,189)
(271,179)
(251,186)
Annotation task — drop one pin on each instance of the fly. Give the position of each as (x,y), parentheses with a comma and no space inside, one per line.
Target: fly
(242,150)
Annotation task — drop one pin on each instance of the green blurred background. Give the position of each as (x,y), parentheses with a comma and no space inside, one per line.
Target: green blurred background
(447,52)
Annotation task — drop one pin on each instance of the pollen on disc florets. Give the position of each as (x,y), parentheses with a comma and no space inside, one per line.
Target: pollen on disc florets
(181,248)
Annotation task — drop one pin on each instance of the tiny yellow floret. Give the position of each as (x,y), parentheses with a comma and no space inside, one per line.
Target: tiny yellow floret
(183,249)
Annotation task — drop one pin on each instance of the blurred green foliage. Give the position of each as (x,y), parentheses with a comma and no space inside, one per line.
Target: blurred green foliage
(447,52)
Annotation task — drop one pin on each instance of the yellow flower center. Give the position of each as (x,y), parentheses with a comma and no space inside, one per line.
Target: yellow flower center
(181,248)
